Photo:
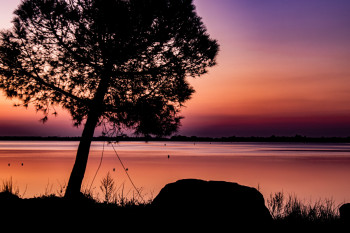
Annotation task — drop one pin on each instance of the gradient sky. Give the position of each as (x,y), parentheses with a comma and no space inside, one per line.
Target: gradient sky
(283,69)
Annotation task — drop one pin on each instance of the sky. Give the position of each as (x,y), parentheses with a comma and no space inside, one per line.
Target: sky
(283,69)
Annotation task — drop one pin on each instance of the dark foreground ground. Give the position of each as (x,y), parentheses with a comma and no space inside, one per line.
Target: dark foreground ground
(54,214)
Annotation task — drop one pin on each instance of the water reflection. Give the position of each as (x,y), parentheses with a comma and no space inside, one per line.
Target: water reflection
(310,171)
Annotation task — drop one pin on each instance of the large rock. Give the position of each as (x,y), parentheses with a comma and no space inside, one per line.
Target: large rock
(212,201)
(344,212)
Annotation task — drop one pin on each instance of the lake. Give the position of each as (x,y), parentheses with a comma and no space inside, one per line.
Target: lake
(311,171)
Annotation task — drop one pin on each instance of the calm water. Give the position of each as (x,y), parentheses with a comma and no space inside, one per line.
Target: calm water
(311,171)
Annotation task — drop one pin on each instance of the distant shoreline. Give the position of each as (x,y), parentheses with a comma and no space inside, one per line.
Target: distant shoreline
(297,138)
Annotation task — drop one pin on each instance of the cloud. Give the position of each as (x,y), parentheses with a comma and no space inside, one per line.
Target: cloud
(314,126)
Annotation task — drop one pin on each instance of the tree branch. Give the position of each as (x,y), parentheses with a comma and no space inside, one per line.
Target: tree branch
(55,88)
(69,49)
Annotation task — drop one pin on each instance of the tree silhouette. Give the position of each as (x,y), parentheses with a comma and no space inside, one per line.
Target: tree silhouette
(124,62)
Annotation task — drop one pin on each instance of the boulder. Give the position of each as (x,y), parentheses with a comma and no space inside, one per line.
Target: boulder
(344,212)
(212,202)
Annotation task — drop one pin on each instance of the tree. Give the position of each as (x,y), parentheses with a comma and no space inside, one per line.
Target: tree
(124,62)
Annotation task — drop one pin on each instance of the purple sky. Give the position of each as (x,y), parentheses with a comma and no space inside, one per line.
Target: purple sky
(283,69)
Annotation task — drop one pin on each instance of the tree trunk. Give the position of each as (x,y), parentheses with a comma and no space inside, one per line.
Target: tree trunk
(78,171)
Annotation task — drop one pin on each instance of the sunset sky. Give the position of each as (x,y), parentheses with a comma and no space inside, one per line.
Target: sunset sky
(283,69)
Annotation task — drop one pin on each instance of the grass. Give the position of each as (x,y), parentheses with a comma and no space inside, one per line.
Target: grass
(51,211)
(9,188)
(289,210)
(282,207)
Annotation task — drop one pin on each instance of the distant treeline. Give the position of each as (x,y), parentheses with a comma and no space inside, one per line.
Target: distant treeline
(296,138)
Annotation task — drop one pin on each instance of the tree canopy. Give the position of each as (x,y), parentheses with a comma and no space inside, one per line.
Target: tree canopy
(138,52)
